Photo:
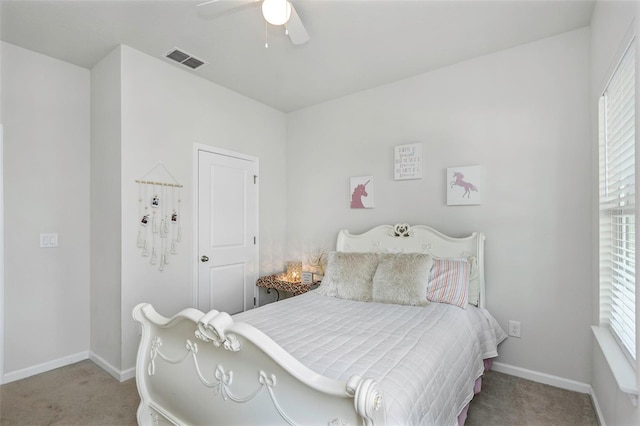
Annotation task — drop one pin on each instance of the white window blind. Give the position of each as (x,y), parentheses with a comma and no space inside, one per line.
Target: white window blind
(617,204)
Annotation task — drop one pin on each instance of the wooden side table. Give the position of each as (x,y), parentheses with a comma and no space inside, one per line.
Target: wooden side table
(278,282)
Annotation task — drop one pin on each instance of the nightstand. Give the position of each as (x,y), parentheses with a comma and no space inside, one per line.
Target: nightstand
(278,282)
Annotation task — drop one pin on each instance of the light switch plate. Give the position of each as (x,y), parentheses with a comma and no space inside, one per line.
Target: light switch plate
(49,240)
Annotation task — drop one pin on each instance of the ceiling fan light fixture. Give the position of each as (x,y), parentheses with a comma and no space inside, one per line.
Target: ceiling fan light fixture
(276,12)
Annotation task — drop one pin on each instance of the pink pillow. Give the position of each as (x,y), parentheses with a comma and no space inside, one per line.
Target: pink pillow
(449,282)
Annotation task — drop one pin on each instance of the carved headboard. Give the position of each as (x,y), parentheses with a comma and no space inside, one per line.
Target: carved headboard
(403,238)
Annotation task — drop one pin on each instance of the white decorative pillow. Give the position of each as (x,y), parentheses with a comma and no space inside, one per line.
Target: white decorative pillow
(449,282)
(402,278)
(474,281)
(349,276)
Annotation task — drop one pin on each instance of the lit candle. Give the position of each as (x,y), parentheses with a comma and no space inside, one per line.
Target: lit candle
(294,270)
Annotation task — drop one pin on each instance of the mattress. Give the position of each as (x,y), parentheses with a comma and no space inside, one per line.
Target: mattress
(426,359)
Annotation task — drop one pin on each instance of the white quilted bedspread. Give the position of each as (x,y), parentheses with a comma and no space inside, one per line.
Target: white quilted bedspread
(426,359)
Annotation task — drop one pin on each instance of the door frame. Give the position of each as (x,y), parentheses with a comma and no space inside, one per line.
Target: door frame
(197,148)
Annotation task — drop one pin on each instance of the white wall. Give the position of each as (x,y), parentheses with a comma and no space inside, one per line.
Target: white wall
(520,113)
(1,232)
(165,110)
(610,24)
(143,110)
(45,106)
(106,207)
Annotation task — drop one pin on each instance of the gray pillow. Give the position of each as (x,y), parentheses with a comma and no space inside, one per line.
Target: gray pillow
(402,278)
(349,276)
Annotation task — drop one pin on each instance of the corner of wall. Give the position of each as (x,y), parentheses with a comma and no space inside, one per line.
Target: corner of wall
(105,295)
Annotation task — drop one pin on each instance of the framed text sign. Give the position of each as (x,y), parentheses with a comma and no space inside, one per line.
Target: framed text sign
(407,161)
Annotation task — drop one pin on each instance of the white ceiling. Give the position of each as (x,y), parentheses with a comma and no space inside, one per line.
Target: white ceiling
(355,45)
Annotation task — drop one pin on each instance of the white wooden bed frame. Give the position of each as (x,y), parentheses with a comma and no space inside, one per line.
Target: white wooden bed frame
(205,369)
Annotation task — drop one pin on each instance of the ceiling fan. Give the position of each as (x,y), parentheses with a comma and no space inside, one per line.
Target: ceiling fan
(275,12)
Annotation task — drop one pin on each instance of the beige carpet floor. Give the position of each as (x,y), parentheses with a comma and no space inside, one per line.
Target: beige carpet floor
(82,394)
(78,394)
(510,401)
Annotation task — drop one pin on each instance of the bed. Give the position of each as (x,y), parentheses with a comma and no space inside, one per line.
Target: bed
(367,347)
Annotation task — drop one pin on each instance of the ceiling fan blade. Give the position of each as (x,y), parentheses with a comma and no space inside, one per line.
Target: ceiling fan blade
(297,32)
(214,8)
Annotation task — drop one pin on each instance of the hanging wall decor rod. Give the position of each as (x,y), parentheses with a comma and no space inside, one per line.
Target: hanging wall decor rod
(149,182)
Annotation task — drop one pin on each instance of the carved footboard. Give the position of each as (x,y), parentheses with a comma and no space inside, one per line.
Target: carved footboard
(206,369)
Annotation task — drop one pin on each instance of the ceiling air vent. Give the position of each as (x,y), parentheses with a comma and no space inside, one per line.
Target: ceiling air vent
(184,58)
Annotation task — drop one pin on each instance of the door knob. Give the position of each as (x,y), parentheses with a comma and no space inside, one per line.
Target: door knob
(204,258)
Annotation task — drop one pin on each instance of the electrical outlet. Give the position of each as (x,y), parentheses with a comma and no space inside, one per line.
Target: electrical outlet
(514,328)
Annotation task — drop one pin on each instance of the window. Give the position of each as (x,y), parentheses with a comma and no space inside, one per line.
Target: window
(617,204)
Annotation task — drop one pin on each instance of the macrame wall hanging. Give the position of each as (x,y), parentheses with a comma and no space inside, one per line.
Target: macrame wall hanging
(159,230)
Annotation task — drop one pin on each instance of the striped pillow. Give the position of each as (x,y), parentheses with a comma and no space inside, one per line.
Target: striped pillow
(449,282)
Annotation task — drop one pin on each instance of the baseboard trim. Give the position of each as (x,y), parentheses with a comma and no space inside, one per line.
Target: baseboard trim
(596,407)
(105,365)
(44,367)
(543,378)
(114,372)
(121,376)
(127,374)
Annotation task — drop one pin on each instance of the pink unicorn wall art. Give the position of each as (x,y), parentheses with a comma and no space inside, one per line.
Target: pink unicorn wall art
(459,181)
(464,185)
(359,191)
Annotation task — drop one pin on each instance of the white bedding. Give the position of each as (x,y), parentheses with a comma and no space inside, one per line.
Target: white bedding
(426,359)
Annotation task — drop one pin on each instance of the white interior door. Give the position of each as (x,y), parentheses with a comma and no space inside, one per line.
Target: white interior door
(227,231)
